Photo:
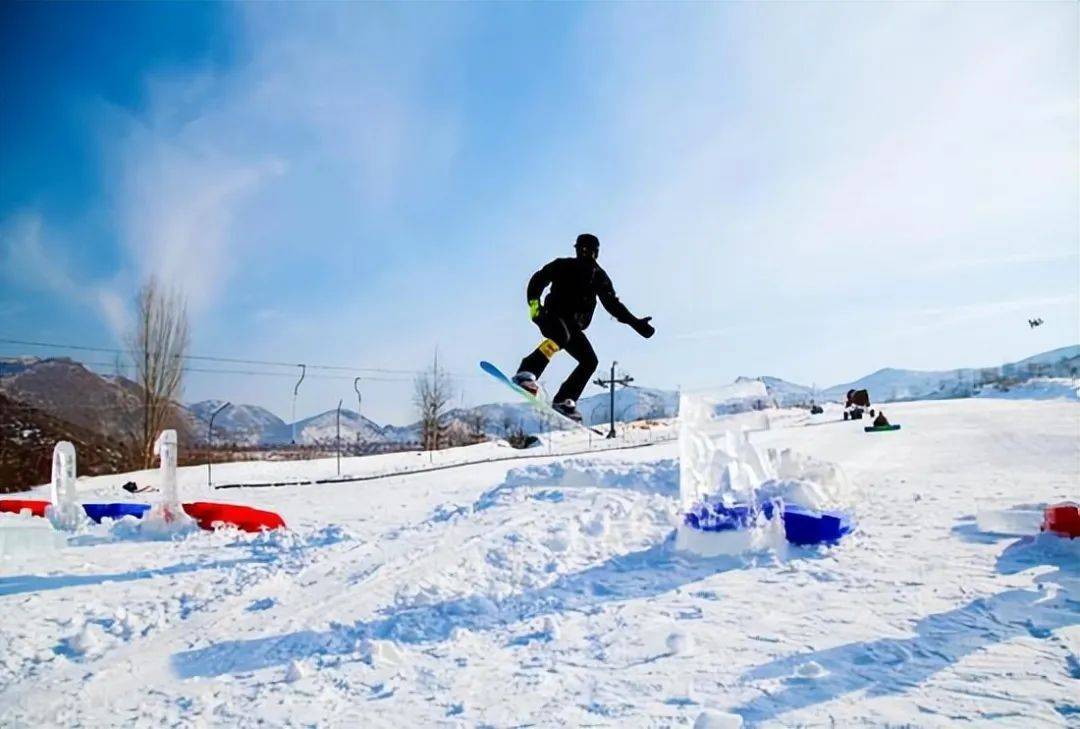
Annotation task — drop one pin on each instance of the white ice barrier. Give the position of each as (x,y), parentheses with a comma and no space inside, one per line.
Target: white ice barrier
(712,424)
(66,512)
(22,534)
(1009,521)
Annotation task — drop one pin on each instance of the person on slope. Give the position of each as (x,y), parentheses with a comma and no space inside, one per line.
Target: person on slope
(576,283)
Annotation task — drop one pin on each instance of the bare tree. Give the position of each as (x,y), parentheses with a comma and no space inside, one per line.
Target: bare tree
(157,347)
(433,393)
(478,422)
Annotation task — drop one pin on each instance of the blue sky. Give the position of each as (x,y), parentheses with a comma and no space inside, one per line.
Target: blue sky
(808,191)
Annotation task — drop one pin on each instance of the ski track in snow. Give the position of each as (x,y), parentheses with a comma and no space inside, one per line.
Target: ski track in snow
(548,594)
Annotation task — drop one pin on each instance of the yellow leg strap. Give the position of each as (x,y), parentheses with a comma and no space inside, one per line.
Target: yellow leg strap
(548,348)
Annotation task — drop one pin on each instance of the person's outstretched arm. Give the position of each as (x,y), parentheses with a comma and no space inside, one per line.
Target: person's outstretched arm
(606,293)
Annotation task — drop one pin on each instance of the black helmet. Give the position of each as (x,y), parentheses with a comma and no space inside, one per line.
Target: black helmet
(588,242)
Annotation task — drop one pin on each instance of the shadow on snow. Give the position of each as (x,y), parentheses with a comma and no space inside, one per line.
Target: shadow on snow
(646,573)
(894,665)
(39,583)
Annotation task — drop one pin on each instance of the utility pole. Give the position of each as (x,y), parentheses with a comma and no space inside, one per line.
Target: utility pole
(210,446)
(338,441)
(359,404)
(610,383)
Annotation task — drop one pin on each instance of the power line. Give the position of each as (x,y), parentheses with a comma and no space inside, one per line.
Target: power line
(226,360)
(289,375)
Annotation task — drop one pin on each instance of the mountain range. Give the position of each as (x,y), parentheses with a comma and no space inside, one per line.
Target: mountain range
(64,389)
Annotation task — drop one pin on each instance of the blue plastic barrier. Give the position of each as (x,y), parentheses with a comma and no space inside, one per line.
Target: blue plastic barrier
(97,512)
(801,526)
(720,518)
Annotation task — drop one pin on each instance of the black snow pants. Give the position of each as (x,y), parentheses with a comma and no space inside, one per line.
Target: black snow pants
(567,335)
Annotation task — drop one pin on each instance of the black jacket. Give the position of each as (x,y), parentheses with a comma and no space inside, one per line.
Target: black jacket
(575,286)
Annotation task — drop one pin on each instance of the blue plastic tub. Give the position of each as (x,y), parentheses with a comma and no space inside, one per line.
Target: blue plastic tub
(97,512)
(801,526)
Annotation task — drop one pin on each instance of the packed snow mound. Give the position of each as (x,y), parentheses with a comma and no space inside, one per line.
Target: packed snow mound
(1046,550)
(659,477)
(1037,388)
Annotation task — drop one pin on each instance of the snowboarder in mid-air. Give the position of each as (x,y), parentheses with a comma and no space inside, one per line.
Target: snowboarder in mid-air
(576,283)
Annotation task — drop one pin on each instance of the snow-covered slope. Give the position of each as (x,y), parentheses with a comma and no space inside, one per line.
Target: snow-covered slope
(1038,388)
(545,591)
(631,403)
(784,393)
(245,424)
(322,428)
(1053,357)
(891,384)
(498,419)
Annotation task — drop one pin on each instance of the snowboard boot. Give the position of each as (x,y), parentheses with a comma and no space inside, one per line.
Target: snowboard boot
(527,382)
(568,408)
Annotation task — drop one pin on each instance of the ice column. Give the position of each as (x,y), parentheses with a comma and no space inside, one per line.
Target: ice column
(166,449)
(66,511)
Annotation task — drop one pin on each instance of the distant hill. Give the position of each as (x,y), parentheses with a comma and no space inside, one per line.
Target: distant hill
(27,438)
(322,429)
(70,392)
(240,424)
(891,385)
(786,394)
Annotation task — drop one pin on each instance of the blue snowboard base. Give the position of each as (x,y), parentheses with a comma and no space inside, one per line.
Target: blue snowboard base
(533,400)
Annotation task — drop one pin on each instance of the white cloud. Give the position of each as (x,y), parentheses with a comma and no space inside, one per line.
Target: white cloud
(315,104)
(840,137)
(179,204)
(28,258)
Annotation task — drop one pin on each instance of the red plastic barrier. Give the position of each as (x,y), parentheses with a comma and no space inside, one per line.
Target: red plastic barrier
(208,513)
(14,506)
(1062,519)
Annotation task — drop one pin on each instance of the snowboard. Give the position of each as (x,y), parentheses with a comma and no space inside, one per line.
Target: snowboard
(533,400)
(880,428)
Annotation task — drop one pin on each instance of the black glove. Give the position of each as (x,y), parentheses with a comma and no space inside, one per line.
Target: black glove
(643,327)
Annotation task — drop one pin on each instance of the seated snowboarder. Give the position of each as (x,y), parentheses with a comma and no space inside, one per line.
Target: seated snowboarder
(881,421)
(576,283)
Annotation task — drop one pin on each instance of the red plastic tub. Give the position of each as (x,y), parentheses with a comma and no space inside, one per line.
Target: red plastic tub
(15,506)
(208,514)
(1062,519)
